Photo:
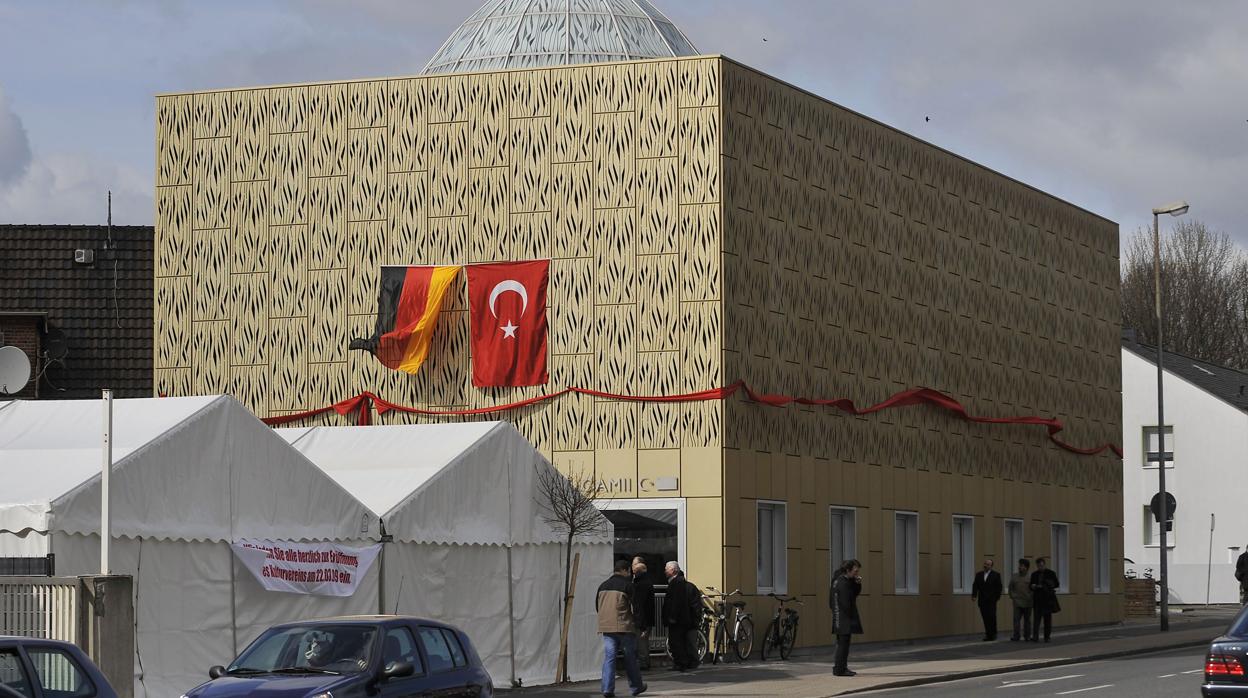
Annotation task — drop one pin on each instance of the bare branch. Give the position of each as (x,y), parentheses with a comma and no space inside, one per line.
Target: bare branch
(567,502)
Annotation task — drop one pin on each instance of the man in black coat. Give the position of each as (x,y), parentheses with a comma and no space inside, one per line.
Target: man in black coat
(643,608)
(986,591)
(682,611)
(1241,574)
(1044,585)
(843,600)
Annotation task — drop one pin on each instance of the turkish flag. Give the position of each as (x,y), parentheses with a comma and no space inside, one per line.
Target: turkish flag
(507,322)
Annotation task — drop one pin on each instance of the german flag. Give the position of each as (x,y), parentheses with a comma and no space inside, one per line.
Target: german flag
(407,311)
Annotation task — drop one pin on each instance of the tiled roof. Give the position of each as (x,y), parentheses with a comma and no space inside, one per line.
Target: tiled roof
(104,309)
(1226,384)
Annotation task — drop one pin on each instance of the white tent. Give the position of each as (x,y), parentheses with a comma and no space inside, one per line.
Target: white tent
(470,546)
(190,475)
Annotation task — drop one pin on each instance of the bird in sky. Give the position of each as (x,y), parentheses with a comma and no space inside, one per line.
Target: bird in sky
(927,118)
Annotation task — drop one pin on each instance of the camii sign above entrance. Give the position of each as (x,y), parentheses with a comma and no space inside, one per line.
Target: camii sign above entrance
(622,485)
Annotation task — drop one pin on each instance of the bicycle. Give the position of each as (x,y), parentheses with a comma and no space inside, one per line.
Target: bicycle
(782,631)
(741,636)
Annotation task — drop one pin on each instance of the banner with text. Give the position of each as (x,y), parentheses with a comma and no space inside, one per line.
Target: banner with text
(326,569)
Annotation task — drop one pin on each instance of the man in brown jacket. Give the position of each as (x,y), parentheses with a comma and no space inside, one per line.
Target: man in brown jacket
(615,621)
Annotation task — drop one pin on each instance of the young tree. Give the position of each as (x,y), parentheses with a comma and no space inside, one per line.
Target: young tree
(567,503)
(1204,298)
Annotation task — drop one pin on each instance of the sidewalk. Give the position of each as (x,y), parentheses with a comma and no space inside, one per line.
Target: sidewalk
(892,665)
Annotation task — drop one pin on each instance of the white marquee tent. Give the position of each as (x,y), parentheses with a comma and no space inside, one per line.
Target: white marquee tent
(190,475)
(462,505)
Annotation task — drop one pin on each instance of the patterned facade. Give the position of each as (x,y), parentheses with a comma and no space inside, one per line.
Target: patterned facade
(705,223)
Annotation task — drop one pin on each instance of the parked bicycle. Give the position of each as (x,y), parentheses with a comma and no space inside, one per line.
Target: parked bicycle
(736,630)
(781,633)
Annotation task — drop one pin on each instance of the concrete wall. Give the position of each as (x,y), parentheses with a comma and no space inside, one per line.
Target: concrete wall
(1210,447)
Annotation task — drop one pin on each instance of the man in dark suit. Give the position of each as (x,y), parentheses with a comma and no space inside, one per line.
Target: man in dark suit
(986,591)
(682,612)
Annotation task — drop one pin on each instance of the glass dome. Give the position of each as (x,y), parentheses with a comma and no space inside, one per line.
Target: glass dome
(530,33)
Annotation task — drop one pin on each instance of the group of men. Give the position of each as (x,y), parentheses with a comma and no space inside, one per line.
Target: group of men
(1033,594)
(625,605)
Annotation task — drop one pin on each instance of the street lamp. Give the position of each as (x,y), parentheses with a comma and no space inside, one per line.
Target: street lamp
(1177,208)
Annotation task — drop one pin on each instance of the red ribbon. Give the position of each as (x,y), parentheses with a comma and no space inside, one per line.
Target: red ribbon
(907,398)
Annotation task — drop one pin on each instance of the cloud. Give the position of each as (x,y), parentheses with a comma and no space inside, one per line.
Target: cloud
(73,189)
(14,144)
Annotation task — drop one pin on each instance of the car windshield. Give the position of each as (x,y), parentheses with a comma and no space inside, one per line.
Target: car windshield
(313,649)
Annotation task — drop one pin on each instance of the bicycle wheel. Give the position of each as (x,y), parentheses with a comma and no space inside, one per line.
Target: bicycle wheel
(704,645)
(769,640)
(745,639)
(787,639)
(721,639)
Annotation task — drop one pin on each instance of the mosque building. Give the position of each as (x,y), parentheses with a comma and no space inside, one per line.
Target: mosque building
(757,262)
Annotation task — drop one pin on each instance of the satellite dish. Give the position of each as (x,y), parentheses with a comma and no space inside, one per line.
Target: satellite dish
(14,370)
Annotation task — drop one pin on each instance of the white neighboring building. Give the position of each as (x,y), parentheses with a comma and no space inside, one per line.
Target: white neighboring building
(1207,435)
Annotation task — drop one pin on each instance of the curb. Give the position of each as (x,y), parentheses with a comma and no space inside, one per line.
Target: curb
(1043,664)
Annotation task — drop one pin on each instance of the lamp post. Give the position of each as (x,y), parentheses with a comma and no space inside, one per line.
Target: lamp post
(1177,208)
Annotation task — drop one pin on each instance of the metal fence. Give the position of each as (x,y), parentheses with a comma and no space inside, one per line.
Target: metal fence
(658,634)
(45,607)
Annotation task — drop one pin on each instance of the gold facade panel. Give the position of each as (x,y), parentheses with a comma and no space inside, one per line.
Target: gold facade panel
(615,232)
(369,104)
(572,309)
(327,222)
(288,167)
(211,170)
(530,165)
(249,242)
(172,381)
(249,318)
(531,235)
(210,367)
(530,94)
(173,231)
(288,341)
(327,317)
(614,160)
(572,213)
(211,274)
(212,115)
(250,385)
(250,136)
(288,247)
(658,205)
(327,130)
(616,350)
(658,130)
(614,90)
(448,169)
(407,235)
(172,327)
(288,109)
(366,181)
(700,252)
(488,229)
(658,302)
(327,383)
(449,98)
(174,131)
(572,93)
(367,255)
(488,122)
(573,419)
(408,134)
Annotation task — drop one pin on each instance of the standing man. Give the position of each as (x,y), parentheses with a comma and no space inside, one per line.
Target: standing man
(615,621)
(1044,584)
(643,609)
(682,610)
(843,600)
(1241,574)
(986,591)
(1020,595)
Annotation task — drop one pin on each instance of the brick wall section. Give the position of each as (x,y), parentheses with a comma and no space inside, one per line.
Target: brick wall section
(22,333)
(103,309)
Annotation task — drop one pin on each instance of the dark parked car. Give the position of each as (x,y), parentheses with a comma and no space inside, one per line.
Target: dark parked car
(374,656)
(1227,661)
(34,668)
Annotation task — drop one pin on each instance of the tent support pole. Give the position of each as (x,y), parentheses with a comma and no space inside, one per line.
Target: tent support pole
(233,601)
(511,617)
(381,569)
(106,471)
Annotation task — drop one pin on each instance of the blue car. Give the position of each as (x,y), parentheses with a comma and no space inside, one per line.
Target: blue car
(33,668)
(373,656)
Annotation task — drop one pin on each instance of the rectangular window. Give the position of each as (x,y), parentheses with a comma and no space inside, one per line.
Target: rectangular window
(843,535)
(1059,555)
(1151,455)
(963,554)
(772,548)
(906,552)
(1152,530)
(436,649)
(1013,545)
(1100,559)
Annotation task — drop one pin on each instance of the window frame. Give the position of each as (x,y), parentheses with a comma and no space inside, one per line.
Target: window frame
(849,536)
(912,556)
(1152,531)
(437,631)
(1100,558)
(1148,430)
(417,671)
(1060,563)
(1012,557)
(24,669)
(963,558)
(30,651)
(779,547)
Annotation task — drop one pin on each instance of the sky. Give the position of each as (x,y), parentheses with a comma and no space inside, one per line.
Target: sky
(1116,105)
